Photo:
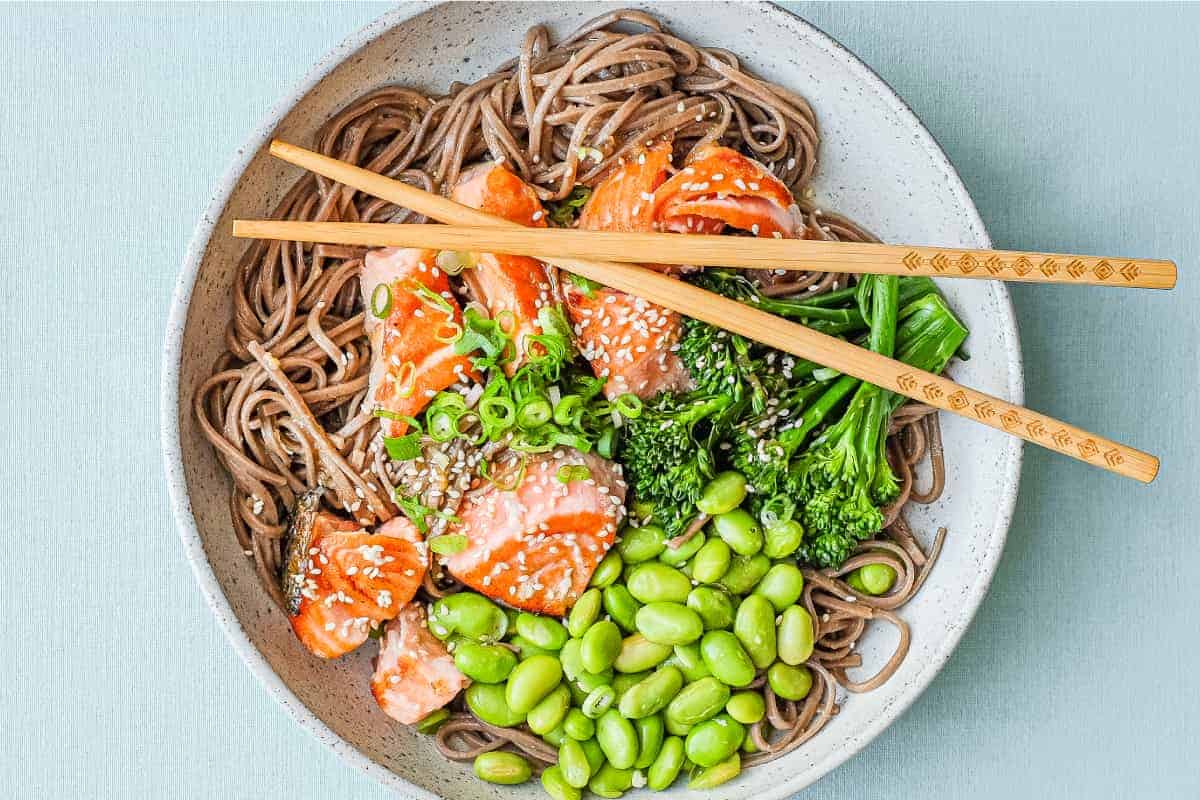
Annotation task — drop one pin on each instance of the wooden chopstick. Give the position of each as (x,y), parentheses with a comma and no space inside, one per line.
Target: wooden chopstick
(760,326)
(734,251)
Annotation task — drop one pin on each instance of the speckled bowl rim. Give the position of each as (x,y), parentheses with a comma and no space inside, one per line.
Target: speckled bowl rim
(173,455)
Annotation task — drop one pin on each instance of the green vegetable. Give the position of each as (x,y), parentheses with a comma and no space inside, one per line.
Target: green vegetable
(448,543)
(503,768)
(717,774)
(678,556)
(530,681)
(608,570)
(712,604)
(617,738)
(666,766)
(403,448)
(739,530)
(550,712)
(486,663)
(556,785)
(873,579)
(585,611)
(573,762)
(698,701)
(754,627)
(782,585)
(782,539)
(611,782)
(795,635)
(669,623)
(487,701)
(745,572)
(714,740)
(598,701)
(651,694)
(789,682)
(601,646)
(469,615)
(641,544)
(687,657)
(722,494)
(746,707)
(711,561)
(651,731)
(621,606)
(432,721)
(726,659)
(546,633)
(563,213)
(639,654)
(654,582)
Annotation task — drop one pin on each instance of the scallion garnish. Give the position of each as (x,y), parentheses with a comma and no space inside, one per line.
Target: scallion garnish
(448,543)
(381,301)
(573,472)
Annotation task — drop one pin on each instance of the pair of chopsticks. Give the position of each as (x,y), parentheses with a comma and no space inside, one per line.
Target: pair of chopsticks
(599,256)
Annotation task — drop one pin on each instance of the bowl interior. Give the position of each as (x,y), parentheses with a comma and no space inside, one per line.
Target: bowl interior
(878,165)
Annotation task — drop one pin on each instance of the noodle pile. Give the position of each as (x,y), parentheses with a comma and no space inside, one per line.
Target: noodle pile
(285,407)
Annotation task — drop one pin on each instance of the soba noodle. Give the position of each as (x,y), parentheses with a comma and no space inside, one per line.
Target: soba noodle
(285,407)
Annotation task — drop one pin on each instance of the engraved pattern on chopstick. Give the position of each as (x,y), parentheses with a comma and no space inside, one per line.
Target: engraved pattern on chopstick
(964,263)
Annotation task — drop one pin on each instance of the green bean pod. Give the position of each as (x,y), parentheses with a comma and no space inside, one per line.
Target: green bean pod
(651,694)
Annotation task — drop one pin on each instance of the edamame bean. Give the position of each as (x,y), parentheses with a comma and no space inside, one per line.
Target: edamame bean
(555,736)
(726,659)
(711,561)
(598,701)
(650,731)
(698,701)
(530,681)
(675,556)
(873,579)
(795,635)
(723,493)
(571,658)
(782,539)
(625,681)
(432,721)
(639,654)
(789,682)
(782,585)
(549,713)
(748,745)
(713,604)
(717,774)
(608,570)
(574,764)
(595,756)
(611,782)
(746,707)
(578,725)
(485,663)
(744,572)
(739,530)
(669,623)
(666,766)
(651,694)
(585,611)
(503,768)
(545,632)
(526,648)
(556,785)
(687,657)
(755,629)
(487,701)
(617,738)
(469,615)
(675,727)
(714,740)
(621,606)
(642,544)
(600,646)
(654,582)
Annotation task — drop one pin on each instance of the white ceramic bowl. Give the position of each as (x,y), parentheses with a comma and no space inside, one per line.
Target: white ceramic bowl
(878,165)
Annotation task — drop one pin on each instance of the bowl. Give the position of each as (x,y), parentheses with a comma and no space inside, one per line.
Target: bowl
(878,165)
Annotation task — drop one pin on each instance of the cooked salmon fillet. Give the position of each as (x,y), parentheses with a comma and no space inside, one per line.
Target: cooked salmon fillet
(514,288)
(413,357)
(535,547)
(341,580)
(414,675)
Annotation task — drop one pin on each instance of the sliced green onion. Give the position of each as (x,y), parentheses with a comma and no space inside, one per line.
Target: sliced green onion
(506,486)
(573,472)
(442,426)
(412,422)
(568,410)
(455,332)
(403,448)
(497,412)
(607,443)
(824,374)
(431,298)
(629,405)
(507,321)
(405,382)
(576,440)
(381,301)
(453,262)
(448,544)
(534,413)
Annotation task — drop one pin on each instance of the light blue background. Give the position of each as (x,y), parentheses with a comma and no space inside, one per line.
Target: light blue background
(1074,127)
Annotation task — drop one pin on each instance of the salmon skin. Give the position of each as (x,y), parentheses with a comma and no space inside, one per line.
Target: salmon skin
(339,581)
(720,187)
(412,343)
(414,674)
(513,288)
(535,547)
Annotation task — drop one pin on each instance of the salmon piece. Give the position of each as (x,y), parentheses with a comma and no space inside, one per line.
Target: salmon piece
(508,285)
(720,187)
(535,547)
(340,580)
(414,675)
(627,340)
(413,356)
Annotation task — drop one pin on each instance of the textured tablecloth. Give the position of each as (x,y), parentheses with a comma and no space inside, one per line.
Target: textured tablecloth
(1074,127)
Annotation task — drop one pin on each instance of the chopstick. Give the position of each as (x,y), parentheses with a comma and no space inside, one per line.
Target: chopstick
(734,251)
(768,329)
